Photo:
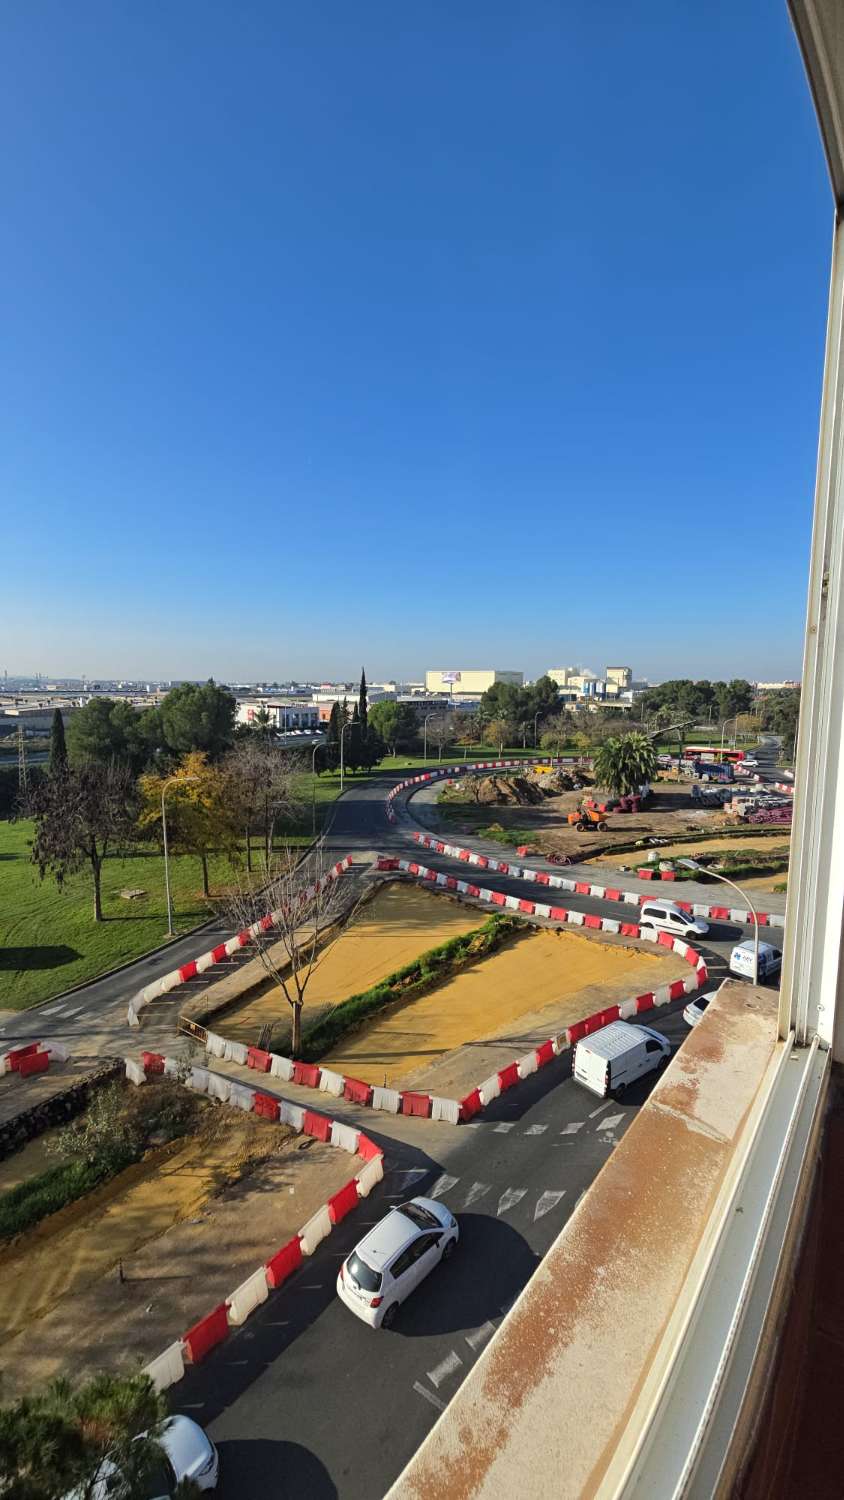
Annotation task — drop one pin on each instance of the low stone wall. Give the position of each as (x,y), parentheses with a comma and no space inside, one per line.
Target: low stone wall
(61,1106)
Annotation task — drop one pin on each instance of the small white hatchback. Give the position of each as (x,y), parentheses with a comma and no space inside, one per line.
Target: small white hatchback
(394,1257)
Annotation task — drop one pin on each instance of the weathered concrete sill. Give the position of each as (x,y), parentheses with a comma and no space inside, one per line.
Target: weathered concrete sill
(546,1408)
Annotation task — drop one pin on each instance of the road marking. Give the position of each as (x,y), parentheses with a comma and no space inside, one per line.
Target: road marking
(572,1129)
(610,1122)
(480,1336)
(412,1174)
(504,1127)
(74,1012)
(600,1109)
(313,1286)
(546,1203)
(476,1191)
(442,1185)
(52,1010)
(536,1130)
(421,1391)
(445,1368)
(509,1199)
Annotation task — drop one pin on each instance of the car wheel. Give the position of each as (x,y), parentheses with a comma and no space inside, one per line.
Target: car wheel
(580,827)
(602,827)
(448,1249)
(618,1094)
(389,1317)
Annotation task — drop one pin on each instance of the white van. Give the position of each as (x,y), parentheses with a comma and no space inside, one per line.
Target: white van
(614,1057)
(741,960)
(664,916)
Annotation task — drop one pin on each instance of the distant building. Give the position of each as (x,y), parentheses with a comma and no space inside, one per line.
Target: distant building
(468,682)
(284,713)
(775,687)
(623,676)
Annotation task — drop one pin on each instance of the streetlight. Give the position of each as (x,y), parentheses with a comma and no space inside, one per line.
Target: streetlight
(317,746)
(425,735)
(169,782)
(692,864)
(535,717)
(723,727)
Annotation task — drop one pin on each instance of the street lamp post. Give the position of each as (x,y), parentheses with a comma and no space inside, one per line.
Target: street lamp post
(343,729)
(425,735)
(169,782)
(723,727)
(692,864)
(535,719)
(317,746)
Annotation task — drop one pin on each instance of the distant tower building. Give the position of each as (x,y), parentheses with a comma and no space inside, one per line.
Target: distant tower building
(623,676)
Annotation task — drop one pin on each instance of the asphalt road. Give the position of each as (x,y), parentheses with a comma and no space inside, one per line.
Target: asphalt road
(305,1399)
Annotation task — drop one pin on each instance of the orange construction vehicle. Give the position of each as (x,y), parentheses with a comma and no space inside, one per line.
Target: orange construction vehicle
(586,818)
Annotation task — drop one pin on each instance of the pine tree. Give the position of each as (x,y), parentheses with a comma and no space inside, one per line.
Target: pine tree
(58,748)
(363,707)
(332,739)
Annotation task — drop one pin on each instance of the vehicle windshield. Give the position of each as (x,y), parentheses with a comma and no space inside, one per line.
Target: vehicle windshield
(420,1216)
(363,1274)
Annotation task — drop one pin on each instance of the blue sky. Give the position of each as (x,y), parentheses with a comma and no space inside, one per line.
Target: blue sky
(460,334)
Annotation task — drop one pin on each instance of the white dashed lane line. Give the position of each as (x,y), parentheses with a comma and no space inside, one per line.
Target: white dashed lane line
(573,1128)
(600,1109)
(445,1368)
(610,1122)
(480,1336)
(503,1127)
(422,1390)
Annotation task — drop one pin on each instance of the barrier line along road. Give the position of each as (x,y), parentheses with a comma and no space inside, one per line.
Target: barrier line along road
(213,956)
(455,1111)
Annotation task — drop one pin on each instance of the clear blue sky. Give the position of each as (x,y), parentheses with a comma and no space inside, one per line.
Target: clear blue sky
(443,335)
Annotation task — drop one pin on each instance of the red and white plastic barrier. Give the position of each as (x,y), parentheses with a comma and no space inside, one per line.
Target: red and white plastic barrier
(32,1057)
(216,955)
(204,1336)
(579,887)
(463,770)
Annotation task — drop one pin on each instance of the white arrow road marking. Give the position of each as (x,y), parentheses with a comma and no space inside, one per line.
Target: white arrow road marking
(442,1185)
(536,1130)
(509,1199)
(610,1122)
(445,1368)
(476,1191)
(546,1203)
(429,1395)
(504,1127)
(480,1336)
(52,1010)
(572,1129)
(605,1105)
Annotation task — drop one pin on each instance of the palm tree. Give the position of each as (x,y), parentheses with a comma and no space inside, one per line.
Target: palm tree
(623,762)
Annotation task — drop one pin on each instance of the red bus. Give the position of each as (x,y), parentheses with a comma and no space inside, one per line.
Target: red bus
(713,752)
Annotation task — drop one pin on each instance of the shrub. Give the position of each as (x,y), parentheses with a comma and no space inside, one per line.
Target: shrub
(31,1201)
(413,979)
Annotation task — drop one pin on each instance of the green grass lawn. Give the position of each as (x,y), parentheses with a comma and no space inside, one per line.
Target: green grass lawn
(48,937)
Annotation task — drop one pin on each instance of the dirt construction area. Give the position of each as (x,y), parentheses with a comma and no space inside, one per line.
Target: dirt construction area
(767,843)
(456,1035)
(670,813)
(188,1223)
(398,924)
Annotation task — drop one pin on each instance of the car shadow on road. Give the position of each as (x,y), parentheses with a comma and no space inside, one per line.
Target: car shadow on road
(490,1266)
(255,1468)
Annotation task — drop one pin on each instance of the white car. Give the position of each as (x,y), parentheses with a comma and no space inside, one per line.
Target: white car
(665,916)
(749,760)
(187,1453)
(741,960)
(695,1010)
(394,1257)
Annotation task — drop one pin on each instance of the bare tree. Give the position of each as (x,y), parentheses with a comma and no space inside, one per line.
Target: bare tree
(79,816)
(306,903)
(441,732)
(265,783)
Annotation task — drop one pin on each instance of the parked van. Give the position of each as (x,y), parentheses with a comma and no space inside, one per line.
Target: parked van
(664,916)
(741,960)
(614,1057)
